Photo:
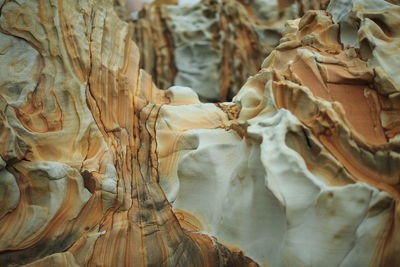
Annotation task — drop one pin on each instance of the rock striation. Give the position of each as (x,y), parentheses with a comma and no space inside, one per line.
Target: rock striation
(99,167)
(212,47)
(303,165)
(79,170)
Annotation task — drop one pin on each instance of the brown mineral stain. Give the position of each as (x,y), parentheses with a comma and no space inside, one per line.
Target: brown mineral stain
(361,110)
(188,221)
(308,78)
(360,103)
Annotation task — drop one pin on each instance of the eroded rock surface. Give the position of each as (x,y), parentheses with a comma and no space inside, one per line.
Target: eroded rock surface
(306,174)
(215,45)
(212,47)
(98,167)
(79,170)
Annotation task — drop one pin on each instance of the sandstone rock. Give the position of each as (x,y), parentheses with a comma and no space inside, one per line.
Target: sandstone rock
(215,45)
(99,167)
(212,47)
(297,177)
(79,164)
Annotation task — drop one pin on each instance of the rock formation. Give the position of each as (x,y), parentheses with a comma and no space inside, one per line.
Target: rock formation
(99,167)
(212,47)
(79,161)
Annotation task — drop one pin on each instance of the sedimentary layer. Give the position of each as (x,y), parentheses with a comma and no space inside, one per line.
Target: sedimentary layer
(79,170)
(212,46)
(99,167)
(302,168)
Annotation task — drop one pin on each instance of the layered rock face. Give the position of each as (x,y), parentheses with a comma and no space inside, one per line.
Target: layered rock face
(99,167)
(212,47)
(79,168)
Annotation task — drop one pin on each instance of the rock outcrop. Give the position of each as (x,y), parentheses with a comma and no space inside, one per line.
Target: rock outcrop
(79,170)
(99,167)
(212,47)
(311,160)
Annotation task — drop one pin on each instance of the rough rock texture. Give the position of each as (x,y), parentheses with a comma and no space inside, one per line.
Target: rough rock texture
(304,5)
(215,45)
(79,166)
(303,168)
(98,167)
(212,47)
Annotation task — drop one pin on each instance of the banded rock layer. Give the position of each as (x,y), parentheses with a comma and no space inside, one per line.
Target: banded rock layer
(212,46)
(303,169)
(101,168)
(79,170)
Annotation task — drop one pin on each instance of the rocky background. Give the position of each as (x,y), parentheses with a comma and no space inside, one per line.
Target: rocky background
(212,46)
(102,163)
